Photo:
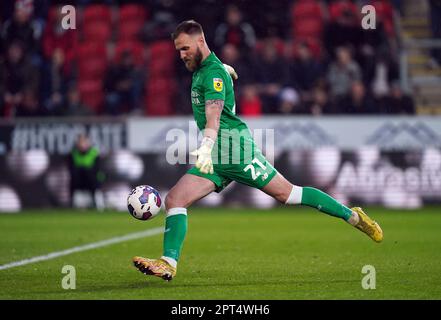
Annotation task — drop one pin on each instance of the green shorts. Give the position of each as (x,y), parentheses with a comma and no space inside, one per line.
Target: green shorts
(256,173)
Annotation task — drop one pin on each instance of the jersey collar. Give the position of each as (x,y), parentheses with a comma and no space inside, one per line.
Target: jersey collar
(211,57)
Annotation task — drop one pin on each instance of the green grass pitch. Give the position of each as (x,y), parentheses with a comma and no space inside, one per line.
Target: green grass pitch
(284,253)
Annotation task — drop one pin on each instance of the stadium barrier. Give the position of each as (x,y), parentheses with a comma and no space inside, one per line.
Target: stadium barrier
(390,161)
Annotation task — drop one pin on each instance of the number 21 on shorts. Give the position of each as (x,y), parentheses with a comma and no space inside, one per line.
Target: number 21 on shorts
(254,173)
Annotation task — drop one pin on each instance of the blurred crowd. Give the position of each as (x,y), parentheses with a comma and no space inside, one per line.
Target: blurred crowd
(292,57)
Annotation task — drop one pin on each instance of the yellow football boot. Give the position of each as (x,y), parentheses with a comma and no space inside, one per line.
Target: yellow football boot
(155,267)
(368,226)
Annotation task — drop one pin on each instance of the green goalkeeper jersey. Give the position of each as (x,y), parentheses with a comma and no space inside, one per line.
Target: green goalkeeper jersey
(235,155)
(213,82)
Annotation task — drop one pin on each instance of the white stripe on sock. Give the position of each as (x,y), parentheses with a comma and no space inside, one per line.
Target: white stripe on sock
(295,197)
(175,211)
(171,261)
(354,219)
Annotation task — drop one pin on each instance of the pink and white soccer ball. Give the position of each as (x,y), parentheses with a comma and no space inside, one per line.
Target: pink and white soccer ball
(144,202)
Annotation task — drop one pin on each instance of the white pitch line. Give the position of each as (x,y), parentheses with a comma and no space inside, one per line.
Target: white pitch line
(90,246)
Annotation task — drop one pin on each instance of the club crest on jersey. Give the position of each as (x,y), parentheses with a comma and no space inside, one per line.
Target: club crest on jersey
(218,84)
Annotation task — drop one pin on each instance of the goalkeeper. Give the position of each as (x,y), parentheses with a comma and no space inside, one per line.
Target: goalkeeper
(227,153)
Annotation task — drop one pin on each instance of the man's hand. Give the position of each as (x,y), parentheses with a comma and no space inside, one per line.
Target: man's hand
(231,71)
(203,154)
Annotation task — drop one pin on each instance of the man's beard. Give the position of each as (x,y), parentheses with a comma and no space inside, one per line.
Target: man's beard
(196,62)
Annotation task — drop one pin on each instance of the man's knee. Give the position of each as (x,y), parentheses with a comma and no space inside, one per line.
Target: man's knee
(172,200)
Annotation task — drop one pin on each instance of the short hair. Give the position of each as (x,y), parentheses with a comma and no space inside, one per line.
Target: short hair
(189,27)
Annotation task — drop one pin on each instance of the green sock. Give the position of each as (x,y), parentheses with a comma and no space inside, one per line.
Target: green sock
(318,199)
(175,231)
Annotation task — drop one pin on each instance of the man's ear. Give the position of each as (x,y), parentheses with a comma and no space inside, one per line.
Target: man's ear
(201,40)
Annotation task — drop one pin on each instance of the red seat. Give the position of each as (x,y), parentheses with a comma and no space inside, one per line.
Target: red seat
(308,28)
(98,31)
(92,68)
(164,49)
(161,86)
(385,11)
(305,9)
(161,67)
(314,45)
(52,14)
(91,94)
(337,8)
(162,59)
(158,105)
(160,96)
(90,49)
(131,12)
(97,12)
(129,30)
(131,20)
(136,48)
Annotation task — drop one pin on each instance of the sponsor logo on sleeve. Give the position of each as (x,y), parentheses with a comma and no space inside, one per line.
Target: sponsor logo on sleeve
(218,84)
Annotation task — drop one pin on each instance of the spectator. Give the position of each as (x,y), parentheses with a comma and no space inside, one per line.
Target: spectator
(305,71)
(290,102)
(72,106)
(59,47)
(19,74)
(380,84)
(21,27)
(320,103)
(232,56)
(59,44)
(272,15)
(250,103)
(344,29)
(263,73)
(398,102)
(85,173)
(386,71)
(29,105)
(41,10)
(158,28)
(235,31)
(123,86)
(342,73)
(271,74)
(373,45)
(358,101)
(246,93)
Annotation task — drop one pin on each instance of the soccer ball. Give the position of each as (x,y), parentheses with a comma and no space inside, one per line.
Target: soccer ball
(144,202)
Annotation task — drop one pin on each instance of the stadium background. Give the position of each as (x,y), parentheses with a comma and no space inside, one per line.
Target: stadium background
(354,112)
